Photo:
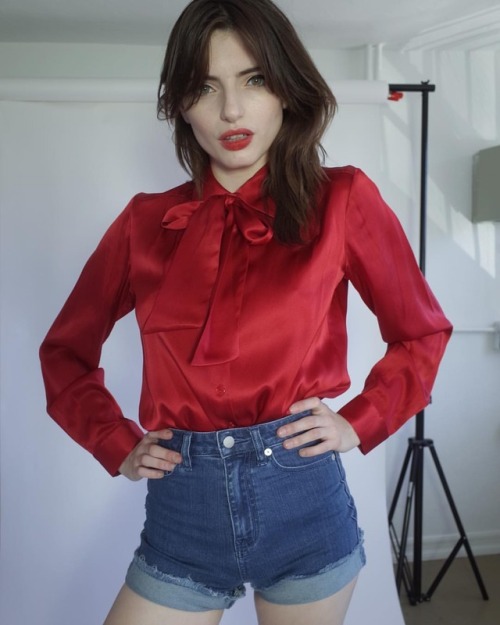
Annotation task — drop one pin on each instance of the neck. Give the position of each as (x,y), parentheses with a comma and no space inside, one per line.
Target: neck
(234,179)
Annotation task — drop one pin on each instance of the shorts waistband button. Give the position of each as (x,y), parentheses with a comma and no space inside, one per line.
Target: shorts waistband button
(228,442)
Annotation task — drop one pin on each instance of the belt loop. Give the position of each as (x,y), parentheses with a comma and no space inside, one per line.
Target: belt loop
(186,444)
(258,446)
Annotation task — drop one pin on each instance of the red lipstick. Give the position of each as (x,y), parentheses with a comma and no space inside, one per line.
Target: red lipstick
(237,139)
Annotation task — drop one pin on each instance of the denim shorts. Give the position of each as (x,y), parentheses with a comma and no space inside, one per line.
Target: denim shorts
(239,509)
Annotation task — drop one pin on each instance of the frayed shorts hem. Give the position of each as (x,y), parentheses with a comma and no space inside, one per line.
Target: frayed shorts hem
(190,596)
(325,583)
(175,592)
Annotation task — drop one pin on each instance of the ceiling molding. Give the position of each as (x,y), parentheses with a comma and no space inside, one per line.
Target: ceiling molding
(477,31)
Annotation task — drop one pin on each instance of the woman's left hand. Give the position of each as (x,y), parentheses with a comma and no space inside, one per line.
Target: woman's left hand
(330,429)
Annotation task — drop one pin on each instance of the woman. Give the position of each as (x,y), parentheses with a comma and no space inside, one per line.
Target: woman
(238,279)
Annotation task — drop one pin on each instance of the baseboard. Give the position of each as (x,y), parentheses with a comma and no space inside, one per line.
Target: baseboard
(440,547)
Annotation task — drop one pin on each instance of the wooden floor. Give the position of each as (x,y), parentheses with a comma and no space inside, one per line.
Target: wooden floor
(457,600)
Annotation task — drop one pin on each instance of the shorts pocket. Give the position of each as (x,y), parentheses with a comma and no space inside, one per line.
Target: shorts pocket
(291,460)
(167,474)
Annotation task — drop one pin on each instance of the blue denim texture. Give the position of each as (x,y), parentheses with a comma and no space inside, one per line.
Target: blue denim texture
(240,508)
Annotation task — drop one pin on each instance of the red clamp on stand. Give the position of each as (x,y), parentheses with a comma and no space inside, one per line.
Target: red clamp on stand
(395,96)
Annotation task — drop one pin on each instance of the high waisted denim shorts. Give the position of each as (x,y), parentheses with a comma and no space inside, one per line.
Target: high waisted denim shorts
(240,508)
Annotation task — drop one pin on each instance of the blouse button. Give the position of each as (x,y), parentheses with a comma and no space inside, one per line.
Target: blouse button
(220,390)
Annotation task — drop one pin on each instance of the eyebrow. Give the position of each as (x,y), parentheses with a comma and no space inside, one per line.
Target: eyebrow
(244,72)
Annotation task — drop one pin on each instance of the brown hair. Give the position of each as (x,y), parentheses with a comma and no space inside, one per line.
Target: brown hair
(295,171)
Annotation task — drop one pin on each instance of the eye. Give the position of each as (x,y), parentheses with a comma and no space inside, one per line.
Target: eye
(206,89)
(257,81)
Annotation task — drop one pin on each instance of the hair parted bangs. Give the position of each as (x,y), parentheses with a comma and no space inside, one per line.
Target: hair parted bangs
(295,157)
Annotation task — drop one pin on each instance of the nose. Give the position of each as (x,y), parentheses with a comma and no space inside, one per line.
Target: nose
(232,106)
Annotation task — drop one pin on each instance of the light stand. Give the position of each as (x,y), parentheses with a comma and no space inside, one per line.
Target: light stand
(414,458)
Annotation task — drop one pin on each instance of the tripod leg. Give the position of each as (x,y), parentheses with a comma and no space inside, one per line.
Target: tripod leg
(399,485)
(463,536)
(397,550)
(443,569)
(418,524)
(406,523)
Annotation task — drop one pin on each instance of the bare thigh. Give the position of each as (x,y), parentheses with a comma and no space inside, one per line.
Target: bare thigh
(131,609)
(329,611)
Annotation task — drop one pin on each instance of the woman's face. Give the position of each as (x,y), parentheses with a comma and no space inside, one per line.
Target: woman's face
(237,117)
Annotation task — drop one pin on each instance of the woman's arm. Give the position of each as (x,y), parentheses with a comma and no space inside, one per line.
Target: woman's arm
(77,397)
(382,267)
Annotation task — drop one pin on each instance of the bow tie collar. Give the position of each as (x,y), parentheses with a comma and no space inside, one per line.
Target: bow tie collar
(253,223)
(205,283)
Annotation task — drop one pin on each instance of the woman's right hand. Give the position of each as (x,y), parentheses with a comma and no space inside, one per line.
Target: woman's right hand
(150,460)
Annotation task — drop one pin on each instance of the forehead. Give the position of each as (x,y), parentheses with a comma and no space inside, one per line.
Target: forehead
(227,54)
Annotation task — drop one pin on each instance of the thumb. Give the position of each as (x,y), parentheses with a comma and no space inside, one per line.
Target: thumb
(164,435)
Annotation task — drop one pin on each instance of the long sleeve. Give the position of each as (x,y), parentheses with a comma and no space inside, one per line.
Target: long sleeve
(77,398)
(382,268)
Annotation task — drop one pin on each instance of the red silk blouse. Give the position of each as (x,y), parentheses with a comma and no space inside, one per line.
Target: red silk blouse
(235,326)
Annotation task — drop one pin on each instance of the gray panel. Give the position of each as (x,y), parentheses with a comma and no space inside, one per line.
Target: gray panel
(486,185)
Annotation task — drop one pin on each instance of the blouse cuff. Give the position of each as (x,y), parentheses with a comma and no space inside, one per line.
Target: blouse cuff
(117,445)
(366,421)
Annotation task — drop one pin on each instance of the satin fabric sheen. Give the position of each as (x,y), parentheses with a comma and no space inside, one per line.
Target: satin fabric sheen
(235,326)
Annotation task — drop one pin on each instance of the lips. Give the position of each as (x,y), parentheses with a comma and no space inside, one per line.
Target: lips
(237,139)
